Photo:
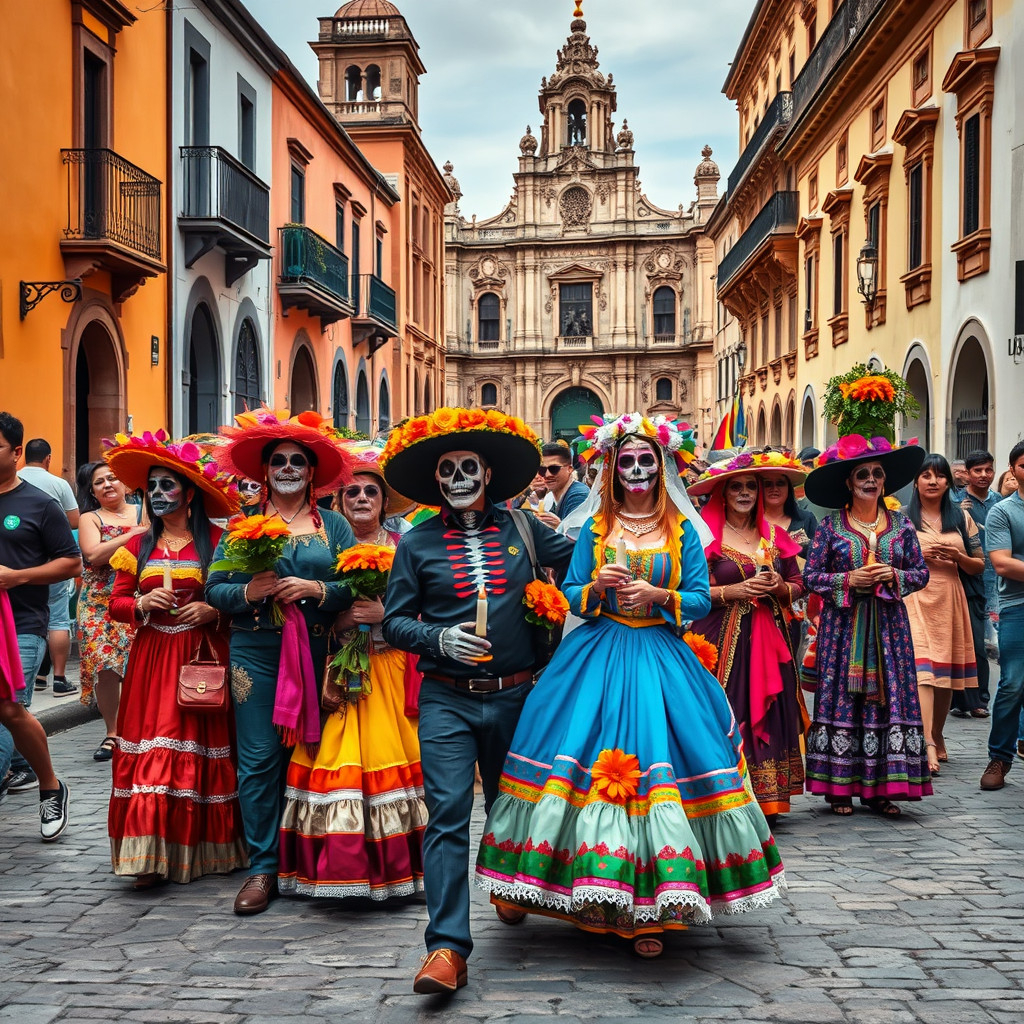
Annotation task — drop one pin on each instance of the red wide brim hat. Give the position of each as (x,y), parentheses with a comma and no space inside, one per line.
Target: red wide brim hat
(242,455)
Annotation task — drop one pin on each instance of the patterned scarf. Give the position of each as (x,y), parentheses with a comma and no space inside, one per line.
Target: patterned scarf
(867,665)
(296,706)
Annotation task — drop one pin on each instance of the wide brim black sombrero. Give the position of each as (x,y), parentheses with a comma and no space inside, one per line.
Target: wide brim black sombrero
(826,484)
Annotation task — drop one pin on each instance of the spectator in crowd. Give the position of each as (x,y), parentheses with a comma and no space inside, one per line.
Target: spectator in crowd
(36,549)
(1007,484)
(36,471)
(556,466)
(1004,535)
(959,467)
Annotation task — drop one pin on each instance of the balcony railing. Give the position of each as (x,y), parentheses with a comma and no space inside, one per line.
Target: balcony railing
(778,114)
(376,301)
(778,215)
(110,199)
(308,258)
(842,32)
(216,186)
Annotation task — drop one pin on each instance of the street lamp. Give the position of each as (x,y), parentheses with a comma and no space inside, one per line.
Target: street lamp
(867,272)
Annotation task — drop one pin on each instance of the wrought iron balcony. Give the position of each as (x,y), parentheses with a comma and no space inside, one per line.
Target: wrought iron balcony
(223,205)
(778,216)
(376,316)
(314,275)
(113,224)
(840,35)
(777,116)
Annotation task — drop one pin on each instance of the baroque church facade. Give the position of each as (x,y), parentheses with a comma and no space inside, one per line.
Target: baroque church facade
(581,296)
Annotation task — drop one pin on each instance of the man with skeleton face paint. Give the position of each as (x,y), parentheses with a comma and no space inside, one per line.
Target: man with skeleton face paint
(467,566)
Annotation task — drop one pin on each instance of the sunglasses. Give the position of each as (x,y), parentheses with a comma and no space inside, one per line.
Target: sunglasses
(370,490)
(771,484)
(551,470)
(870,474)
(296,461)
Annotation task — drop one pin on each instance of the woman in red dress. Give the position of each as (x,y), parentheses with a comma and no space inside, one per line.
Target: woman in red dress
(174,811)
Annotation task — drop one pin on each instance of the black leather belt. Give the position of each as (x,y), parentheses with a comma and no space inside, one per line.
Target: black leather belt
(484,684)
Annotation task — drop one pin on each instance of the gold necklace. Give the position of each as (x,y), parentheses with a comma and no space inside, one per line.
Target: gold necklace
(639,526)
(170,543)
(288,522)
(748,537)
(871,527)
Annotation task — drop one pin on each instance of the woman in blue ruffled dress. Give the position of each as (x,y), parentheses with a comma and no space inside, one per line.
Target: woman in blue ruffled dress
(625,805)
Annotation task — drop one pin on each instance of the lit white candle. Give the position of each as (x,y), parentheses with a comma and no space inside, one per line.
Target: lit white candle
(481,611)
(872,546)
(621,557)
(167,581)
(761,558)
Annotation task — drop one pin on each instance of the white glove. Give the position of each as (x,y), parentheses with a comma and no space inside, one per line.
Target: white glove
(460,643)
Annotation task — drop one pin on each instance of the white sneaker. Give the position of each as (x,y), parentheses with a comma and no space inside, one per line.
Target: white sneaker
(53,812)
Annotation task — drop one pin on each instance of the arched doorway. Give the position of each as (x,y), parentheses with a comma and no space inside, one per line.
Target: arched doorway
(969,400)
(807,423)
(203,374)
(570,408)
(427,403)
(789,423)
(775,431)
(302,391)
(761,434)
(247,369)
(339,396)
(384,407)
(920,426)
(362,404)
(98,404)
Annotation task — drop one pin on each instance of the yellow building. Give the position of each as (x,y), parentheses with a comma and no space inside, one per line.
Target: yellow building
(84,222)
(863,206)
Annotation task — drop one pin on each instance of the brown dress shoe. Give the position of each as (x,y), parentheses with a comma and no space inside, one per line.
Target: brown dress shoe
(254,897)
(995,773)
(443,970)
(509,915)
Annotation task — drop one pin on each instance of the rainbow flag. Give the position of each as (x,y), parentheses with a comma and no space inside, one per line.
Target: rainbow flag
(723,436)
(739,424)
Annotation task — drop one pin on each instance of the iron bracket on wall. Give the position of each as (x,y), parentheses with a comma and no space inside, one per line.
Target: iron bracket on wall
(31,293)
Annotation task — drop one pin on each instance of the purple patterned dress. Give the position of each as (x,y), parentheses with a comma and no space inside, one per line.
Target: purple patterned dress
(866,738)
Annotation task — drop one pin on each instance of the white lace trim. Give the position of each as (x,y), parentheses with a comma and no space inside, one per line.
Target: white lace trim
(523,894)
(183,794)
(293,885)
(166,743)
(340,796)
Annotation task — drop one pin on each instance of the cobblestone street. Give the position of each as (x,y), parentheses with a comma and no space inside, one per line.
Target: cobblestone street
(885,923)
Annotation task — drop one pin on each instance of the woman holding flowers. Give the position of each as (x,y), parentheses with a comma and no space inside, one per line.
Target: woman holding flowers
(174,811)
(754,581)
(624,804)
(281,614)
(354,814)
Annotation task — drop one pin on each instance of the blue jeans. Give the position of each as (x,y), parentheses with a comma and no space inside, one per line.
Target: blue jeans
(457,731)
(31,648)
(1009,702)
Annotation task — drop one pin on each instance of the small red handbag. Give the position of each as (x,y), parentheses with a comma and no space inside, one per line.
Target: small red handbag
(203,685)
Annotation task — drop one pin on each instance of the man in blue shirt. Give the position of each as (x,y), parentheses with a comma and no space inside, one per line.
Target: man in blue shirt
(568,492)
(1005,545)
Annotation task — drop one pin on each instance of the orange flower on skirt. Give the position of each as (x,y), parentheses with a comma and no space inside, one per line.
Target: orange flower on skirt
(616,775)
(706,651)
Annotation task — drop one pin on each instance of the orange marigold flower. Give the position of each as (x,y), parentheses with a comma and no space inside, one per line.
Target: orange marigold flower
(496,420)
(376,557)
(616,775)
(706,651)
(445,419)
(256,527)
(871,388)
(472,418)
(546,601)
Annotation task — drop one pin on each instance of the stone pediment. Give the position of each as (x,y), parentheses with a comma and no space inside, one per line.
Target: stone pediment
(575,158)
(576,272)
(489,272)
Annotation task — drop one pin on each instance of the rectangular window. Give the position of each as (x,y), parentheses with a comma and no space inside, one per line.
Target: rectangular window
(979,22)
(339,226)
(812,36)
(878,126)
(791,310)
(298,202)
(246,123)
(809,293)
(792,68)
(379,257)
(812,191)
(764,341)
(1018,307)
(921,76)
(972,174)
(915,249)
(839,271)
(197,125)
(778,332)
(841,161)
(354,264)
(576,310)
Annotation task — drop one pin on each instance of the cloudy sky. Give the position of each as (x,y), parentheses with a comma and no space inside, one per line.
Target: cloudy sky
(485,60)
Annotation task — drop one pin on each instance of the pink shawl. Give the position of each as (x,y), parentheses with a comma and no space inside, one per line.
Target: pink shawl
(296,707)
(11,674)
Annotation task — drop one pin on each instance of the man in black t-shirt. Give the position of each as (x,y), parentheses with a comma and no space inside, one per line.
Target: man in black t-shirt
(36,549)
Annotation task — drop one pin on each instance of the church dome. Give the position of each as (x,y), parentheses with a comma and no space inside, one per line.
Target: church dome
(368,9)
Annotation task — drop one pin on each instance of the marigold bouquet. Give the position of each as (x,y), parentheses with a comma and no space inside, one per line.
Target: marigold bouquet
(545,605)
(365,569)
(706,651)
(254,544)
(867,402)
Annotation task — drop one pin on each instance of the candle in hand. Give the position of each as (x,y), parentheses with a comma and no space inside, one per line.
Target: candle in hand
(481,611)
(621,557)
(872,547)
(762,561)
(167,581)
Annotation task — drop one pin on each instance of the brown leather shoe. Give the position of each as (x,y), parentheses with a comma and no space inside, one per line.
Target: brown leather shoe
(995,774)
(509,915)
(254,897)
(443,970)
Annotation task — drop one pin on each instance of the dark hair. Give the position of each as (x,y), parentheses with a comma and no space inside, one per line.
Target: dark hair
(978,458)
(12,429)
(810,452)
(1016,452)
(198,524)
(87,501)
(37,449)
(952,515)
(557,450)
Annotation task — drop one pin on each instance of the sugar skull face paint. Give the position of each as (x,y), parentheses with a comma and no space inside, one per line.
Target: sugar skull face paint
(289,470)
(637,466)
(867,482)
(166,493)
(462,477)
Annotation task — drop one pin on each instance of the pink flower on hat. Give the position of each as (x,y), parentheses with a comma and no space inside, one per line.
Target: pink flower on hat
(852,445)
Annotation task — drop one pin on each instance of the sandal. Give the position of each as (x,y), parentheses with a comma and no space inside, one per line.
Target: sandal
(105,751)
(842,807)
(648,947)
(880,805)
(933,766)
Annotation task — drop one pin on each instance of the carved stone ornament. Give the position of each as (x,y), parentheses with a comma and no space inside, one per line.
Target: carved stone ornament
(548,379)
(707,168)
(451,181)
(506,390)
(575,207)
(645,390)
(575,158)
(528,143)
(624,139)
(603,191)
(549,194)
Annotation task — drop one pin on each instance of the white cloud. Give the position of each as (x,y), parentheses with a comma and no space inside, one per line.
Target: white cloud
(485,61)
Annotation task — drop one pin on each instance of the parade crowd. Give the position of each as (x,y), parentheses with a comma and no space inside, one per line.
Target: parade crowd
(308,650)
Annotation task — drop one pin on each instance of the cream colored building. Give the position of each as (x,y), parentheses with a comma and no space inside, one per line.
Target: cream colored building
(582,296)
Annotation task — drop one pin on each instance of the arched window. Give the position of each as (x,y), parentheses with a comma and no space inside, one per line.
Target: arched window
(427,402)
(488,317)
(664,303)
(362,404)
(353,83)
(339,396)
(576,123)
(384,407)
(417,408)
(489,394)
(373,83)
(247,369)
(663,390)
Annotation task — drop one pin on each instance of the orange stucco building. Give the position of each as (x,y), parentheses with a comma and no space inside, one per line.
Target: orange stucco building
(83,178)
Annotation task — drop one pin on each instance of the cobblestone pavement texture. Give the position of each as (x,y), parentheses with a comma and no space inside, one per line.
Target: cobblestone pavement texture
(885,923)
